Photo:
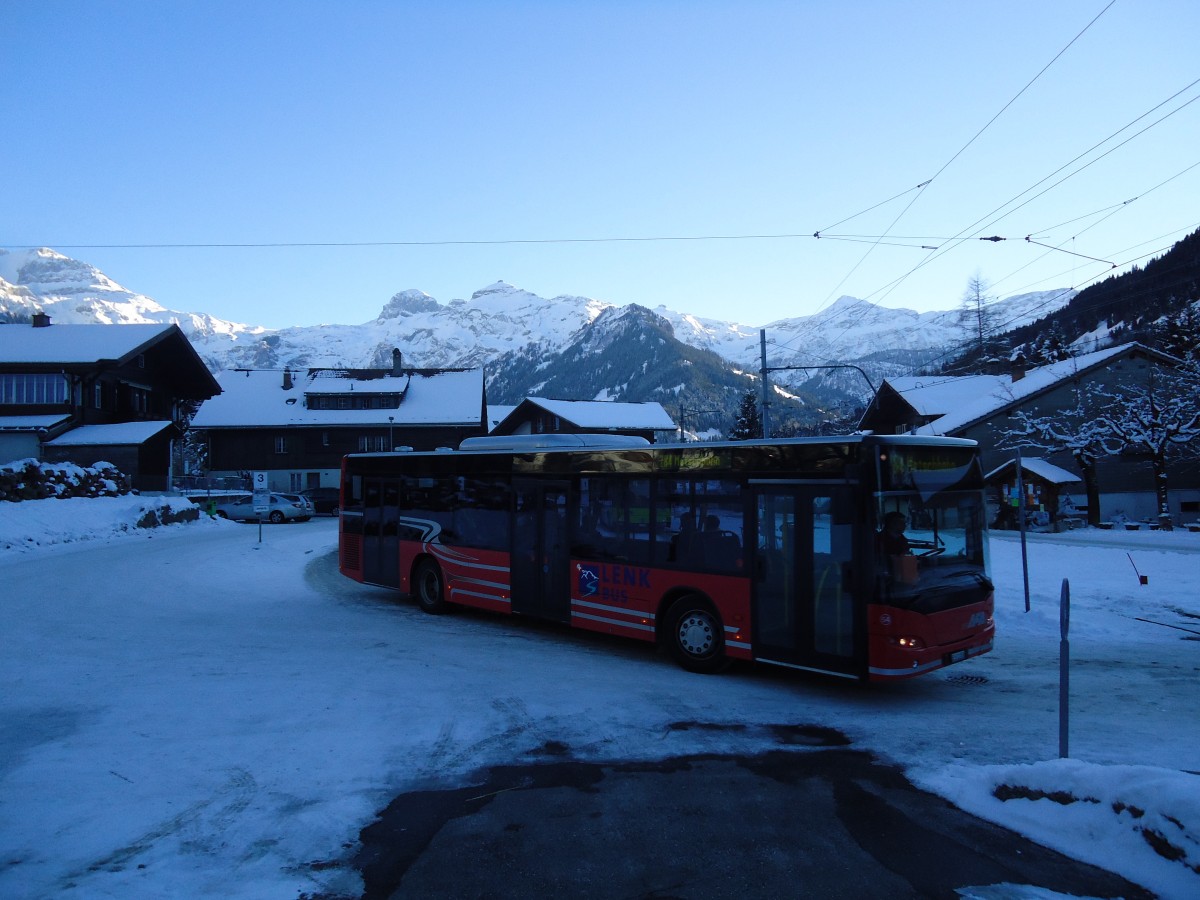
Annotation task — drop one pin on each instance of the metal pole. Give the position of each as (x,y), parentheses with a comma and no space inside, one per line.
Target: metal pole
(1021,525)
(1064,661)
(762,345)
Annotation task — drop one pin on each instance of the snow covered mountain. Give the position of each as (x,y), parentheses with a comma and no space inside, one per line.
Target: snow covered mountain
(502,326)
(73,292)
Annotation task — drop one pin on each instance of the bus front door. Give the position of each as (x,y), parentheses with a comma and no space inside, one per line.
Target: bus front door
(804,612)
(381,539)
(540,559)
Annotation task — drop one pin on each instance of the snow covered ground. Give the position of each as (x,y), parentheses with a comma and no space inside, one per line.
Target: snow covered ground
(188,711)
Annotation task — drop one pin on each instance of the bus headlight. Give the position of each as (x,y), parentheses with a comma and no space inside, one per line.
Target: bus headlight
(909,642)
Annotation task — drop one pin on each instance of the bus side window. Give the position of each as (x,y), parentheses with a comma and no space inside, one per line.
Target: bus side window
(686,549)
(722,547)
(619,510)
(353,490)
(481,517)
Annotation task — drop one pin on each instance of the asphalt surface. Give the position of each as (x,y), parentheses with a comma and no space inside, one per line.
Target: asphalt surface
(813,818)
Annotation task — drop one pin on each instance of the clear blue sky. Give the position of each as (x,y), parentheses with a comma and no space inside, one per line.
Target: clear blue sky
(153,123)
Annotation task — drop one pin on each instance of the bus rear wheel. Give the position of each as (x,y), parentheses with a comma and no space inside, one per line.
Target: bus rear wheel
(428,587)
(695,636)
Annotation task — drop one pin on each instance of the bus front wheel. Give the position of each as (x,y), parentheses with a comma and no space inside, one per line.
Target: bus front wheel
(428,587)
(695,636)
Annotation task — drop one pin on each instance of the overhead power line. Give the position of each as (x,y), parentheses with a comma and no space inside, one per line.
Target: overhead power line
(446,243)
(921,187)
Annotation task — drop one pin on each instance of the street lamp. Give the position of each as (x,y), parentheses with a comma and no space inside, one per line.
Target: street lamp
(391,440)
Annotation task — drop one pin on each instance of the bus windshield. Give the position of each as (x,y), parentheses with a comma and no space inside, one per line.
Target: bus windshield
(931,552)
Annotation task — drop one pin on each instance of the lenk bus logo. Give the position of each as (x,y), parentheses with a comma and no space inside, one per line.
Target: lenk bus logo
(589,581)
(610,583)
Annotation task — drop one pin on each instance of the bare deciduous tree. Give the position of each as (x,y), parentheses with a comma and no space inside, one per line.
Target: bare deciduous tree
(1157,418)
(1071,430)
(978,319)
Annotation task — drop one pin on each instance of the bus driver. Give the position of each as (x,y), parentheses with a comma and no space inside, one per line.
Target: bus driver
(892,540)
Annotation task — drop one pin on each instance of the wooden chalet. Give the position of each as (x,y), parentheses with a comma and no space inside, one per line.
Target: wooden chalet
(91,393)
(538,415)
(296,425)
(983,407)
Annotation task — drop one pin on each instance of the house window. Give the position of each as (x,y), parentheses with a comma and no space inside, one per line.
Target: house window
(324,438)
(98,396)
(372,443)
(30,389)
(281,444)
(139,400)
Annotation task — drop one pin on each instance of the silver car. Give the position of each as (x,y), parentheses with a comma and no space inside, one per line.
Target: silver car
(305,502)
(280,509)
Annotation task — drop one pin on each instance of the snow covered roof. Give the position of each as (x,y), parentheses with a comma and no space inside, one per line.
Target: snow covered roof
(497,413)
(936,395)
(968,404)
(342,381)
(608,414)
(257,398)
(31,423)
(123,433)
(1039,467)
(81,344)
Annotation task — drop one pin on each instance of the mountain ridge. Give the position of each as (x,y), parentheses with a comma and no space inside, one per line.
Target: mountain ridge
(526,342)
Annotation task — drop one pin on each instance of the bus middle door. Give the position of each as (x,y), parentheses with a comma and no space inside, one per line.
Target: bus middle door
(804,610)
(381,539)
(540,557)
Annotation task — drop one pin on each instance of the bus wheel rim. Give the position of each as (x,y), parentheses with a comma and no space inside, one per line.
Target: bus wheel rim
(430,585)
(697,636)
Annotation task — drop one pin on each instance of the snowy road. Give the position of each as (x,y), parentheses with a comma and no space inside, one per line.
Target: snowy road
(195,713)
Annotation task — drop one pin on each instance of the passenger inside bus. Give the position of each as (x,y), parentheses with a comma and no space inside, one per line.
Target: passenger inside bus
(722,549)
(685,544)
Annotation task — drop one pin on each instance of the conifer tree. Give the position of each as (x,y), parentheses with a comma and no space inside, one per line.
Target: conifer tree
(749,421)
(1179,335)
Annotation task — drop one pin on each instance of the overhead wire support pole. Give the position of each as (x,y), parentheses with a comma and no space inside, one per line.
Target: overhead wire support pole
(762,335)
(762,345)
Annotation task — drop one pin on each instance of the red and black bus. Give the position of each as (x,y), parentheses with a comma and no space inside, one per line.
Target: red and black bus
(754,550)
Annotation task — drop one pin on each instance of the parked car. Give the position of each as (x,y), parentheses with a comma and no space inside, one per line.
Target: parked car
(280,510)
(303,501)
(324,499)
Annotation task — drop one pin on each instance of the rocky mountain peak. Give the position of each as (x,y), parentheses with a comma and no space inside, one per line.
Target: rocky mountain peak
(498,287)
(407,303)
(46,271)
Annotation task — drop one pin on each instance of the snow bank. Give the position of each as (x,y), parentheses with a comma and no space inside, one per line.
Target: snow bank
(34,524)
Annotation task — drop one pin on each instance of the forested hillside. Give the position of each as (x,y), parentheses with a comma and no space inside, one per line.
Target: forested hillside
(1155,304)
